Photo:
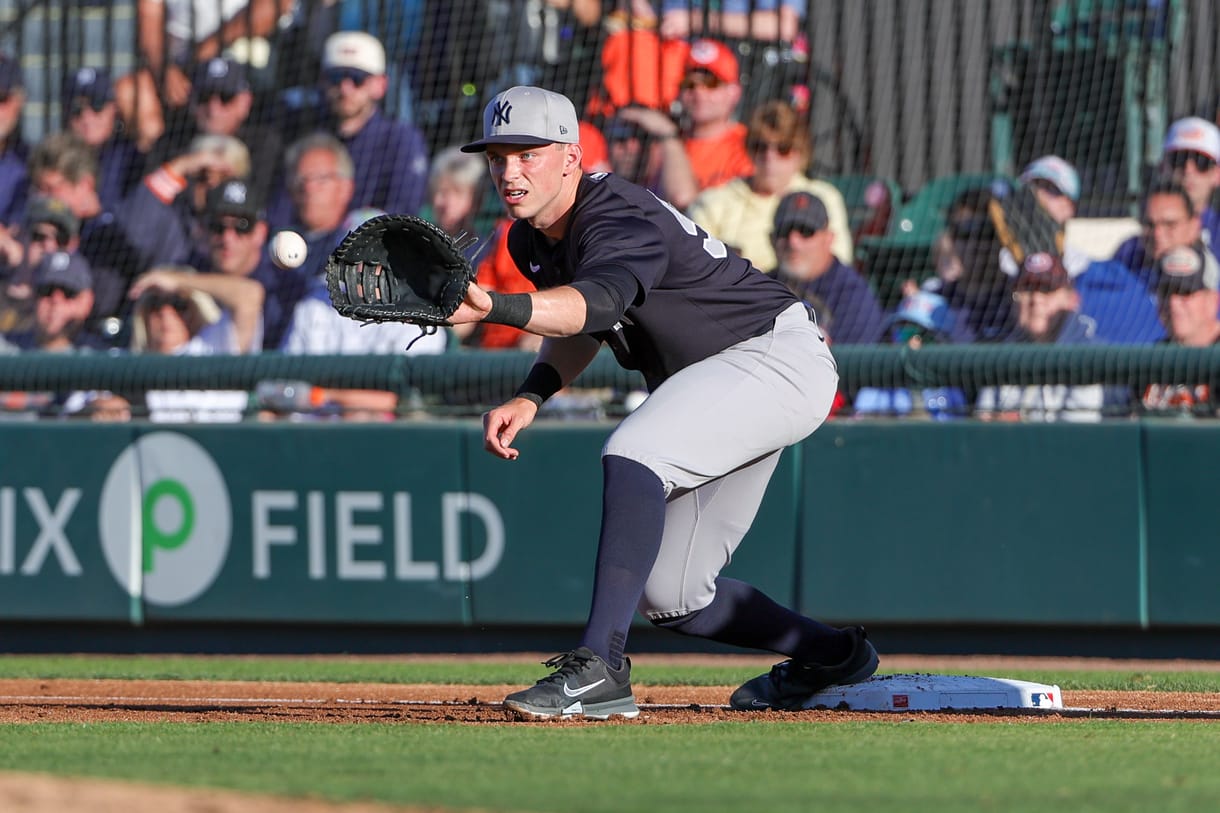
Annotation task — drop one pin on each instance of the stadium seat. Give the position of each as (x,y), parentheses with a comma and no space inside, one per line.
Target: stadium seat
(905,250)
(866,214)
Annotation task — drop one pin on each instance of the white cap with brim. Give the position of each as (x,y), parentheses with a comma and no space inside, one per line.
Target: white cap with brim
(527,115)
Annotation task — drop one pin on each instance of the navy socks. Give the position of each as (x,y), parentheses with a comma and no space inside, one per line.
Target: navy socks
(633,519)
(742,615)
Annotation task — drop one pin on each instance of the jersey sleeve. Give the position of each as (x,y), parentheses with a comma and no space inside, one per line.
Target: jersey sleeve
(628,245)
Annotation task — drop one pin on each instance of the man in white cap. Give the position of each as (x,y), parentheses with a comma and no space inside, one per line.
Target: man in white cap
(1056,185)
(1191,158)
(719,344)
(390,157)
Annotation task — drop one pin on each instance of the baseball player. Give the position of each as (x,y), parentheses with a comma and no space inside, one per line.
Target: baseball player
(736,368)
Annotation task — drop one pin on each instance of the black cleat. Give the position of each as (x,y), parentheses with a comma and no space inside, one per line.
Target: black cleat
(789,684)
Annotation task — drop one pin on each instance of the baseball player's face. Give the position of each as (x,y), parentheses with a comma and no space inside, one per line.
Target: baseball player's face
(531,181)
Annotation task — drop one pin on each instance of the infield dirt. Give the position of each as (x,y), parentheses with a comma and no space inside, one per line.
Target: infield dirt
(58,700)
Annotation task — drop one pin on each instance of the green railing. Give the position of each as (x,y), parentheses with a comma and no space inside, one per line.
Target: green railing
(476,377)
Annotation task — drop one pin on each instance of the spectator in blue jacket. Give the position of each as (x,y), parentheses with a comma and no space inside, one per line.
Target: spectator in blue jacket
(803,242)
(14,178)
(91,113)
(1190,158)
(118,244)
(390,157)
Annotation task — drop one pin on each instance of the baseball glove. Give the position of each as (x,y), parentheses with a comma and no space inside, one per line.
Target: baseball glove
(1023,226)
(398,268)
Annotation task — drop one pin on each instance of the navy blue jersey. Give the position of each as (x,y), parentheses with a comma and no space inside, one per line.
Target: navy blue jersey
(694,297)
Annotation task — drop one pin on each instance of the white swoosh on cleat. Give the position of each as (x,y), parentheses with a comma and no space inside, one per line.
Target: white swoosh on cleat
(582,689)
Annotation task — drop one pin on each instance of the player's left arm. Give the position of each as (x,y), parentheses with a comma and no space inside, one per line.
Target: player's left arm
(617,259)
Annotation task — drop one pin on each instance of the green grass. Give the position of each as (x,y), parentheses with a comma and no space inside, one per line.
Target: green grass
(482,672)
(892,763)
(730,766)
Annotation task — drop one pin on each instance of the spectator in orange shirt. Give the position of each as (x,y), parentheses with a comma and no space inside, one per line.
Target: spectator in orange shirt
(498,272)
(639,66)
(709,95)
(713,143)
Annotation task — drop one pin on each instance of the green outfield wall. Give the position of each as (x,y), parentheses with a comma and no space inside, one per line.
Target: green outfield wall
(1110,524)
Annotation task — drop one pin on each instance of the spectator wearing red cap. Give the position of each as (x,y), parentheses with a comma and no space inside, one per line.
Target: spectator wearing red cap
(1048,312)
(712,149)
(709,94)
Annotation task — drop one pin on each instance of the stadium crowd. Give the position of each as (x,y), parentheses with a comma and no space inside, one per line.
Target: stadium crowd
(142,225)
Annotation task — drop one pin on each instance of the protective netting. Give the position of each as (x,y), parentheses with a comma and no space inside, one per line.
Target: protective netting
(918,123)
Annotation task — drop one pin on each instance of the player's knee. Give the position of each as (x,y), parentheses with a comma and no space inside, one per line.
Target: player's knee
(668,605)
(674,623)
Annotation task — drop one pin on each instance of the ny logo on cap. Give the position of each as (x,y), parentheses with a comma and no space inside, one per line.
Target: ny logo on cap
(501,113)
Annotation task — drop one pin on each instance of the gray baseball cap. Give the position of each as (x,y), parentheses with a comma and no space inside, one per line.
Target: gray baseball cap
(527,115)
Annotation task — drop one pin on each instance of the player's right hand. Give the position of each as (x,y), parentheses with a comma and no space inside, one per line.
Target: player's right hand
(501,425)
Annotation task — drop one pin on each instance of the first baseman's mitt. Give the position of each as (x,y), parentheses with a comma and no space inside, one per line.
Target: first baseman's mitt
(398,268)
(1023,226)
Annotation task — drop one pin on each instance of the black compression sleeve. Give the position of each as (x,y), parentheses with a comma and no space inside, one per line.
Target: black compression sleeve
(542,382)
(605,302)
(514,310)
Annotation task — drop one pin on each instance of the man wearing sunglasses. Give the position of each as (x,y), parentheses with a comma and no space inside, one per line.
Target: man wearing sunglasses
(709,95)
(1189,158)
(390,157)
(91,114)
(740,212)
(237,246)
(803,240)
(63,291)
(222,104)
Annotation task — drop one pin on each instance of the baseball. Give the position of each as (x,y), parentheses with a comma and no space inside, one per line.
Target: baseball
(288,249)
